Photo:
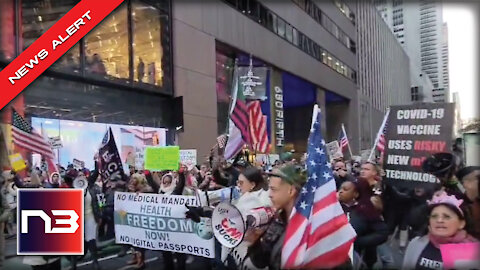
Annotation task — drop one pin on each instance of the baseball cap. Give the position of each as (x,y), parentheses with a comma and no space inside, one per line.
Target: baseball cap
(292,174)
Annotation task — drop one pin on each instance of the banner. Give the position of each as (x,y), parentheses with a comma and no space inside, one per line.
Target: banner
(188,157)
(157,222)
(415,132)
(162,158)
(277,119)
(254,82)
(47,49)
(110,161)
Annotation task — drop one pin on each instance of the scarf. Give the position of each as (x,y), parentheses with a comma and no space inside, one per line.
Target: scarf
(168,189)
(460,237)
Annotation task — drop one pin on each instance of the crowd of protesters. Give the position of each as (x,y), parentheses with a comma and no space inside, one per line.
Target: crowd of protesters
(420,218)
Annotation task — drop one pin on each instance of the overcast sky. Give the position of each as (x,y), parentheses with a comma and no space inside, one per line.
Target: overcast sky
(462,39)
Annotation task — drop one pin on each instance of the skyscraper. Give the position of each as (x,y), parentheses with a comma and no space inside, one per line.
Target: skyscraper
(418,26)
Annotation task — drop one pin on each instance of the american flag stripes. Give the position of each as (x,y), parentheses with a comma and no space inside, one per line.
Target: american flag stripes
(343,139)
(381,135)
(26,137)
(318,233)
(258,127)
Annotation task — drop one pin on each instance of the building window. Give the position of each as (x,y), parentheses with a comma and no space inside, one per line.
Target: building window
(281,27)
(105,55)
(289,33)
(285,30)
(148,51)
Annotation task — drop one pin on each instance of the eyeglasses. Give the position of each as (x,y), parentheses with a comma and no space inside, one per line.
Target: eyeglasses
(340,169)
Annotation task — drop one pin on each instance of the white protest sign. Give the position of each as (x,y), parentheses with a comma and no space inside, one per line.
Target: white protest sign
(139,157)
(55,142)
(78,164)
(333,149)
(228,225)
(157,222)
(188,157)
(218,196)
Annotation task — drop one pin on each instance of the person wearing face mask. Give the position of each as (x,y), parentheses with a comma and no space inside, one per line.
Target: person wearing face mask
(341,174)
(446,225)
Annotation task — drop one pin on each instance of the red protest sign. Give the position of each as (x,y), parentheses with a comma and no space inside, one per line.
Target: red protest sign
(62,36)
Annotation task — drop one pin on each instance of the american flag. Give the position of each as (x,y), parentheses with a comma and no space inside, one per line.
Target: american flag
(318,234)
(26,137)
(258,127)
(239,113)
(343,139)
(382,132)
(381,140)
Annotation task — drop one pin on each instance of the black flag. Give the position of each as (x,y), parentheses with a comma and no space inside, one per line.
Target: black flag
(109,158)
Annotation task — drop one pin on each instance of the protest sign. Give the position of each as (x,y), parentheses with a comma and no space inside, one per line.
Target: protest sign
(228,225)
(78,164)
(334,151)
(157,222)
(162,158)
(415,132)
(460,256)
(188,157)
(55,142)
(17,162)
(139,157)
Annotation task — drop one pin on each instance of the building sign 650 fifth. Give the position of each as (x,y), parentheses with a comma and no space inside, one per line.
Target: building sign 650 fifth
(279,119)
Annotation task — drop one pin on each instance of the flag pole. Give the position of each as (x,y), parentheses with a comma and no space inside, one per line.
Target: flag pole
(378,134)
(349,148)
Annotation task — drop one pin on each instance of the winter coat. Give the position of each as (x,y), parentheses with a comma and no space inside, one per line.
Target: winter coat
(244,204)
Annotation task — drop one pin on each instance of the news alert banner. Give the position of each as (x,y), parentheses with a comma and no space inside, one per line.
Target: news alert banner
(54,43)
(414,133)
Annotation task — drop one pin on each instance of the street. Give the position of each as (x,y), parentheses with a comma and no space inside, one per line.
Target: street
(108,259)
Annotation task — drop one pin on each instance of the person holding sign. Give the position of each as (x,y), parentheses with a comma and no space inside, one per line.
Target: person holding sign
(446,226)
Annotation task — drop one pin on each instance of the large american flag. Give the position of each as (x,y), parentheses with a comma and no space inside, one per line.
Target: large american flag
(26,137)
(257,127)
(318,234)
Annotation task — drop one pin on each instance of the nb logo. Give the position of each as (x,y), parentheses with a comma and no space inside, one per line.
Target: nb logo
(50,221)
(72,221)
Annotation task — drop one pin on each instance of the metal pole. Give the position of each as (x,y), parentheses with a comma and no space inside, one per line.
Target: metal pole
(349,148)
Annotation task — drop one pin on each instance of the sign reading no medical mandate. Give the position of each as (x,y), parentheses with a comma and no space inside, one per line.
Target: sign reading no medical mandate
(47,49)
(414,133)
(157,222)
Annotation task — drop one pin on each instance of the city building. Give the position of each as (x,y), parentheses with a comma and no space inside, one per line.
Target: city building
(383,71)
(419,27)
(458,116)
(169,64)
